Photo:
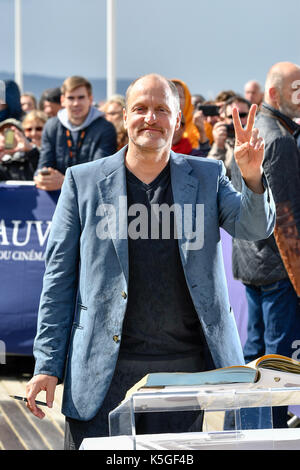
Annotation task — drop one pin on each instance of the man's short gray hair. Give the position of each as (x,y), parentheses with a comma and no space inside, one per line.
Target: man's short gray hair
(171,85)
(274,79)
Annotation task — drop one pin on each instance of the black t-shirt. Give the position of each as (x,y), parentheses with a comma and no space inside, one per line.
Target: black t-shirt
(160,320)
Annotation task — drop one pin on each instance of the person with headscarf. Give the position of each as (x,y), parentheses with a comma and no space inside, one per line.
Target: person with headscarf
(191,131)
(194,135)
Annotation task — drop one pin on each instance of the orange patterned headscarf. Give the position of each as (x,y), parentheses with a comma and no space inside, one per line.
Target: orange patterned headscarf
(191,132)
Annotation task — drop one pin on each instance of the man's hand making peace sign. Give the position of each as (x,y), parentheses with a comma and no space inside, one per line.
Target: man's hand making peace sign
(249,150)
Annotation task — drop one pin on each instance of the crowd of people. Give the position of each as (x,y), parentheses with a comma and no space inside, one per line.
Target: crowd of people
(67,128)
(205,130)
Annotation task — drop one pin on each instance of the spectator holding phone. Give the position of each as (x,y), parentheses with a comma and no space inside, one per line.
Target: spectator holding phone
(18,155)
(223,131)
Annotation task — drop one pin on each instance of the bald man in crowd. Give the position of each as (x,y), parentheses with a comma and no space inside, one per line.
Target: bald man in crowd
(270,268)
(253,92)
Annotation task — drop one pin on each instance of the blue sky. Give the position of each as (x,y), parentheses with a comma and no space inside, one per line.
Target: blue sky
(211,45)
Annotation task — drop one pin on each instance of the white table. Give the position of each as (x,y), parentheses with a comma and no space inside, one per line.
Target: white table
(261,439)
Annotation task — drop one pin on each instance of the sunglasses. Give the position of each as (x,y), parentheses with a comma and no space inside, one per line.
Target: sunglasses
(114,113)
(242,115)
(38,128)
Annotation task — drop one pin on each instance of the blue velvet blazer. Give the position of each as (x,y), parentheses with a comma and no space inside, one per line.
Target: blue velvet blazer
(85,288)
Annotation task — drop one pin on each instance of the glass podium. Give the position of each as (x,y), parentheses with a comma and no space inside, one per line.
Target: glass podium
(232,418)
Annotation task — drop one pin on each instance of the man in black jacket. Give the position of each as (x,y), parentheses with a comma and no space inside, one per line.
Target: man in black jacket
(270,268)
(78,134)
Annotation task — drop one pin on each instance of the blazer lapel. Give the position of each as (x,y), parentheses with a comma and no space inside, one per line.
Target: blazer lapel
(113,205)
(185,189)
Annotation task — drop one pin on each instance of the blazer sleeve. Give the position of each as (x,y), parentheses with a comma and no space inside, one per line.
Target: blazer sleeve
(58,298)
(245,215)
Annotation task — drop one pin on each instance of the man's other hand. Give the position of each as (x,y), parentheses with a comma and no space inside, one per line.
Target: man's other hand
(38,383)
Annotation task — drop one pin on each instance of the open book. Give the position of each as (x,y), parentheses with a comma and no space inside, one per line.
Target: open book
(268,371)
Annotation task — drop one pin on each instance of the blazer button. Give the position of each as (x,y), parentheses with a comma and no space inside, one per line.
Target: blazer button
(124,295)
(116,338)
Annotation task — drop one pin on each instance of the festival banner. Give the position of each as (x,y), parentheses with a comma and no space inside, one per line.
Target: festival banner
(25,220)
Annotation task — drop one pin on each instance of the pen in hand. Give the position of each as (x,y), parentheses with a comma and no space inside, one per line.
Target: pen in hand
(42,403)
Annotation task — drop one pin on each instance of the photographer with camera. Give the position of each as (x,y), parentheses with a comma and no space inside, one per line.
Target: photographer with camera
(210,114)
(223,131)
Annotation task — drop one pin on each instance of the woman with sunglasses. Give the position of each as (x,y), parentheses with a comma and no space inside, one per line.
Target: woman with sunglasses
(33,125)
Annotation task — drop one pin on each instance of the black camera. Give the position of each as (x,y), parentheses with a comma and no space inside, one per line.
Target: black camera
(230,130)
(208,109)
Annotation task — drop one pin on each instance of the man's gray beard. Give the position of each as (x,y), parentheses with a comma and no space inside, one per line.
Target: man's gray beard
(289,110)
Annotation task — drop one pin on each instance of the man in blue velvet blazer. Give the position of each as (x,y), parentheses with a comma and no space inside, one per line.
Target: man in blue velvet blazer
(86,285)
